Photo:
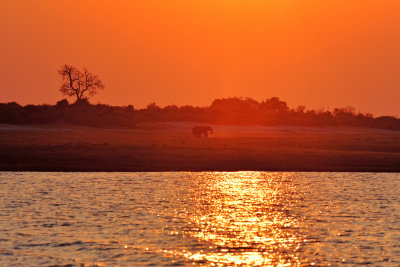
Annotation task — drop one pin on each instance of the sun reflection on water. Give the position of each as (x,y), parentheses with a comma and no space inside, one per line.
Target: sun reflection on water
(204,219)
(243,218)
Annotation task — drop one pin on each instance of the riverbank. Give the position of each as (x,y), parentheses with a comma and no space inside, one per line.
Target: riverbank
(171,147)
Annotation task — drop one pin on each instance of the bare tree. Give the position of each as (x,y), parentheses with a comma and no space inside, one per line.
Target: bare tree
(79,83)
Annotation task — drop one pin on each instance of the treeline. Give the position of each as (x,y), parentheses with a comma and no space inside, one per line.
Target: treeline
(81,113)
(234,111)
(272,111)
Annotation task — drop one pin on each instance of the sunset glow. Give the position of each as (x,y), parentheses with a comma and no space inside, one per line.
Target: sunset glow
(313,53)
(199,132)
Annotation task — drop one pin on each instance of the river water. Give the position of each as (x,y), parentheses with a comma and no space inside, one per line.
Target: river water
(204,218)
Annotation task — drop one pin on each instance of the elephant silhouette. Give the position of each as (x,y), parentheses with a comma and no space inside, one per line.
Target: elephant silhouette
(201,131)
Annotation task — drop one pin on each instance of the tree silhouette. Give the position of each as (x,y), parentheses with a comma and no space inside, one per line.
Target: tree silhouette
(275,105)
(79,83)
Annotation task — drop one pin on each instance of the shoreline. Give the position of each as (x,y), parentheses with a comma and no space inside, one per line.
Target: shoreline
(171,148)
(197,171)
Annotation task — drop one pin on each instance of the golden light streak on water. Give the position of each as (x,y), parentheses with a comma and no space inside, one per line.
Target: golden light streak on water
(204,219)
(238,217)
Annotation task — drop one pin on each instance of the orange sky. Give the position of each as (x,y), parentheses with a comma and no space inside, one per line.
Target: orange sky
(330,53)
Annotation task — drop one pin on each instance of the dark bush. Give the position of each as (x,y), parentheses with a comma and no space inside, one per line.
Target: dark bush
(62,103)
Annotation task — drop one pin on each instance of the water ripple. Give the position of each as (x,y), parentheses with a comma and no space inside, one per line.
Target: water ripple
(209,218)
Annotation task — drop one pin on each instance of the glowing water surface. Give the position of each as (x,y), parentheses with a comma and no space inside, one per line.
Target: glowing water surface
(208,218)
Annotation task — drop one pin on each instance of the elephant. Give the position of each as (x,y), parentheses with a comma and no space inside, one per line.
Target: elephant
(199,131)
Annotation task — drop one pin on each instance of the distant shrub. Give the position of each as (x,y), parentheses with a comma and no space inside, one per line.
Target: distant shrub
(82,102)
(129,108)
(62,103)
